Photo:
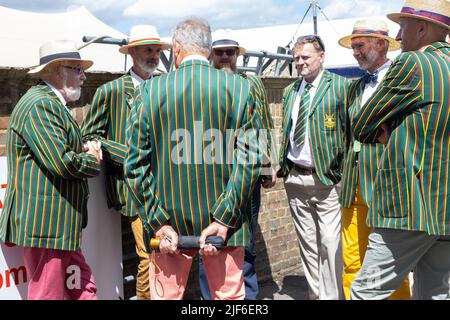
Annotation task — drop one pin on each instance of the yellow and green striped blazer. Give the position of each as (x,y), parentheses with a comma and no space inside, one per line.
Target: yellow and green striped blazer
(327,125)
(177,116)
(411,189)
(106,121)
(47,194)
(362,165)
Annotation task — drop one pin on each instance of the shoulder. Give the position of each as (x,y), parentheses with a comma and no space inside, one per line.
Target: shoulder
(116,84)
(335,78)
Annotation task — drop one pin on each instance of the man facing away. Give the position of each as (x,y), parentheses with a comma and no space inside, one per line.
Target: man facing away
(370,43)
(185,173)
(224,55)
(46,200)
(409,113)
(106,121)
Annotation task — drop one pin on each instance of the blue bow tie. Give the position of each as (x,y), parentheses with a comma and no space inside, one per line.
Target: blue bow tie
(370,77)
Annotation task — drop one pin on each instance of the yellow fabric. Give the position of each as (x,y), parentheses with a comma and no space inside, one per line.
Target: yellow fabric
(355,237)
(142,276)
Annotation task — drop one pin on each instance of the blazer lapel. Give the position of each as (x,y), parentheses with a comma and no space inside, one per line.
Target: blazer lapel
(129,90)
(290,100)
(323,87)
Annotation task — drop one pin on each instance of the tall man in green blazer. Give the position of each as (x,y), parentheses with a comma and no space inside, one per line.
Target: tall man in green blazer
(46,200)
(224,55)
(410,113)
(106,121)
(311,154)
(370,43)
(186,170)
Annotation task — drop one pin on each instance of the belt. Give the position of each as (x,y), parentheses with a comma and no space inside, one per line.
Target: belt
(300,169)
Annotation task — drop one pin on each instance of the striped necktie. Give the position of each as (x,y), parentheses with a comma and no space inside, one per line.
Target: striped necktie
(302,118)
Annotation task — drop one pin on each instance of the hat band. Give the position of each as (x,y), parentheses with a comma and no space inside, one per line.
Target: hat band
(427,14)
(368,31)
(225,42)
(141,40)
(66,55)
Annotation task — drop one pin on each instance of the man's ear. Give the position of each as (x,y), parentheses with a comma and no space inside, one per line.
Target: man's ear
(176,47)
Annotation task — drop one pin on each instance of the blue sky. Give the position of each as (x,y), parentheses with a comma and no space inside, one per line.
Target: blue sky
(233,14)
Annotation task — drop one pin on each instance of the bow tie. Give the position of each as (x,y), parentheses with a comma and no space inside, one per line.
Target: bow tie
(370,77)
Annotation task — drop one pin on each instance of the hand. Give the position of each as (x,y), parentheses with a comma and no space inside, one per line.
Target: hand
(214,229)
(168,239)
(269,181)
(94,148)
(385,134)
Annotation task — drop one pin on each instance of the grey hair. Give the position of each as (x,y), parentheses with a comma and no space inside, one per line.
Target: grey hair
(194,35)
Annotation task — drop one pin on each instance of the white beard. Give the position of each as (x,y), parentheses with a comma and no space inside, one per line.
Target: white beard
(72,94)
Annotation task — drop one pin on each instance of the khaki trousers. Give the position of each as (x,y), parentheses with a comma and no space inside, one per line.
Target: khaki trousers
(316,213)
(142,275)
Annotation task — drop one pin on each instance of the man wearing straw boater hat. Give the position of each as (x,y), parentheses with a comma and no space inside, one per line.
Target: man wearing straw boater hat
(48,163)
(106,121)
(224,55)
(370,43)
(410,207)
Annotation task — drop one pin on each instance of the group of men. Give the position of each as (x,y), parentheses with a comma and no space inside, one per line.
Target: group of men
(376,146)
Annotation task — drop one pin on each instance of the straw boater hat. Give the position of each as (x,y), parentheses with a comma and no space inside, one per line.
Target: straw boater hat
(436,11)
(59,50)
(227,43)
(141,35)
(370,28)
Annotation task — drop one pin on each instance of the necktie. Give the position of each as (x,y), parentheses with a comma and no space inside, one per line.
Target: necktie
(302,118)
(370,77)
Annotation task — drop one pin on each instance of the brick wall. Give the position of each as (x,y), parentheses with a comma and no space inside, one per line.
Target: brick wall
(276,241)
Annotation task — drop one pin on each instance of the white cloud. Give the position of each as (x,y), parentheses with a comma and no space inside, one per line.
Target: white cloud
(360,8)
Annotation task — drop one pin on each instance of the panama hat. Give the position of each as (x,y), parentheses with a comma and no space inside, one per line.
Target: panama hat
(141,35)
(370,28)
(226,43)
(436,11)
(59,50)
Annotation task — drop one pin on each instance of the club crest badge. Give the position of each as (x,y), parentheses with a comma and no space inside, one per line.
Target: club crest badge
(330,121)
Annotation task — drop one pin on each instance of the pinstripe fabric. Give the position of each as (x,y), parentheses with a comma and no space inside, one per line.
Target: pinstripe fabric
(364,165)
(106,121)
(411,189)
(190,195)
(46,199)
(326,129)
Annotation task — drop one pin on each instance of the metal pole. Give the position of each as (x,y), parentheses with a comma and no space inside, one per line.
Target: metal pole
(314,7)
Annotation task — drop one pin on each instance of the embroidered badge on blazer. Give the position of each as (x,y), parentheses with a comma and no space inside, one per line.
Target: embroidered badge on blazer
(330,121)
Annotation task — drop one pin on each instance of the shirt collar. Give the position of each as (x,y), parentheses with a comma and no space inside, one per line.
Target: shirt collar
(58,93)
(137,80)
(194,57)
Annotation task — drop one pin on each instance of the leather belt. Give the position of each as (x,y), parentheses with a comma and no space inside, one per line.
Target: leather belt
(300,169)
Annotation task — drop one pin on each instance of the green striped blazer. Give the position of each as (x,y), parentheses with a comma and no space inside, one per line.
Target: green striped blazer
(362,165)
(46,200)
(178,115)
(411,189)
(106,121)
(327,125)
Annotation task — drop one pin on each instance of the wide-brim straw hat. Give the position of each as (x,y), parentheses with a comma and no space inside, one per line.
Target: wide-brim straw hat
(227,43)
(376,28)
(436,11)
(59,50)
(141,35)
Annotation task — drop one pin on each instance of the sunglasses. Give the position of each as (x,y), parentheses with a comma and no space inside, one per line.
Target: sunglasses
(220,52)
(313,38)
(78,70)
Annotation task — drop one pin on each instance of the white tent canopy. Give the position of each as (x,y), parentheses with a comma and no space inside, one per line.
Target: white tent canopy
(22,33)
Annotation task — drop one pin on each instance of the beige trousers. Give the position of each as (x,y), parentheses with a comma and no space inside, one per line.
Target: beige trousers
(316,214)
(142,275)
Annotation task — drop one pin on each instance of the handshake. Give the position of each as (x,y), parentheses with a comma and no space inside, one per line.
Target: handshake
(94,147)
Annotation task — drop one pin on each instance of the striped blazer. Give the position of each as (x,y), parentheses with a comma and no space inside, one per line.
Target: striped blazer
(106,121)
(178,116)
(327,125)
(46,200)
(411,189)
(362,165)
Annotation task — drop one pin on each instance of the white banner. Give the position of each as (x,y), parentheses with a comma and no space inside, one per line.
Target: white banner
(101,246)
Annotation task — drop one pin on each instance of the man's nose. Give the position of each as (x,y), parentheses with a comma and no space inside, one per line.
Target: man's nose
(399,35)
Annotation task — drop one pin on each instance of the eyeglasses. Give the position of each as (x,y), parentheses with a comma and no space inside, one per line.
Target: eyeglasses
(220,52)
(312,38)
(79,70)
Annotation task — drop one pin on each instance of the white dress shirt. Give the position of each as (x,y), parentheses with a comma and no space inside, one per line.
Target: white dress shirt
(302,155)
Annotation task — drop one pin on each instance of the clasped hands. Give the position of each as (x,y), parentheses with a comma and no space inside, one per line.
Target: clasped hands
(94,148)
